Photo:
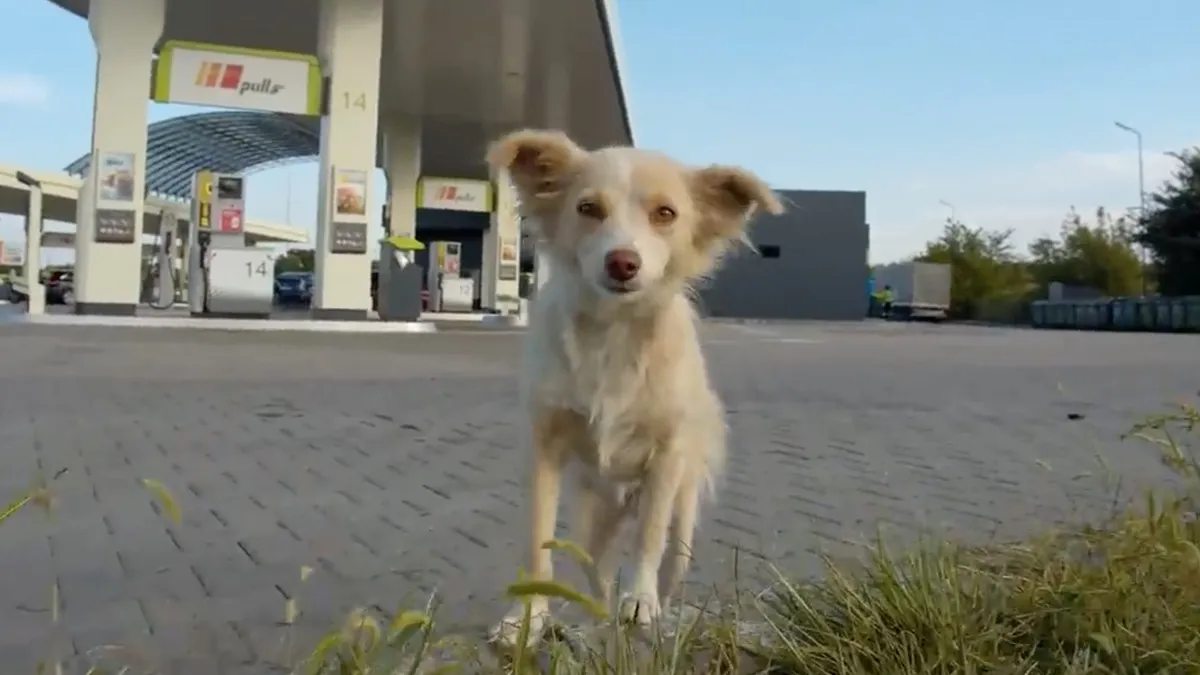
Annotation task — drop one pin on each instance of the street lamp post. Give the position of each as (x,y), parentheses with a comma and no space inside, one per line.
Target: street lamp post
(1141,193)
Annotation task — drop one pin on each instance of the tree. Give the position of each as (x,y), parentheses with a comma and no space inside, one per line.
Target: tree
(296,260)
(983,266)
(1100,256)
(1170,228)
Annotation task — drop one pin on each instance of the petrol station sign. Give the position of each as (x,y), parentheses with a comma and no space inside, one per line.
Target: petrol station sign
(234,77)
(454,194)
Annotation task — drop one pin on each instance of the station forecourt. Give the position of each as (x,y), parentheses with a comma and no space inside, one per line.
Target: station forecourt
(414,87)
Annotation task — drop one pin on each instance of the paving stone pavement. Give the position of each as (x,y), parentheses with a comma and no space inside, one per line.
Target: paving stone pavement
(392,465)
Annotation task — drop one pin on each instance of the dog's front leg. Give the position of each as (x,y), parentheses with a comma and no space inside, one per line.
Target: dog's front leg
(659,488)
(550,438)
(600,512)
(683,530)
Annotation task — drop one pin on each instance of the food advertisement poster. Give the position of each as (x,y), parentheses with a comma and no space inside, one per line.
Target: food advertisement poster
(115,176)
(508,252)
(350,193)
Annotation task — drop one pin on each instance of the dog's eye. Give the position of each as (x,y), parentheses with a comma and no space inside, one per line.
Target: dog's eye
(663,215)
(589,209)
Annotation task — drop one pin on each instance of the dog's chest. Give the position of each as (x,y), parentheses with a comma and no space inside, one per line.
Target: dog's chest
(621,411)
(617,453)
(603,373)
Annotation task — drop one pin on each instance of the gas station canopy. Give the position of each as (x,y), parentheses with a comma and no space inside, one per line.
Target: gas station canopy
(225,142)
(417,87)
(470,70)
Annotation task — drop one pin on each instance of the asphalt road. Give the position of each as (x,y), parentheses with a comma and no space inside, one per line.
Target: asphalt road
(391,465)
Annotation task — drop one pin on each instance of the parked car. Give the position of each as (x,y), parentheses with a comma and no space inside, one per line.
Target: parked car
(60,288)
(293,288)
(59,285)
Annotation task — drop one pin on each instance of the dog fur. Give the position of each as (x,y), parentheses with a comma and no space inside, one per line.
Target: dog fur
(613,377)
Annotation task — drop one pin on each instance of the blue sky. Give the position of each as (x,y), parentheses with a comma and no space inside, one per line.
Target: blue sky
(1003,109)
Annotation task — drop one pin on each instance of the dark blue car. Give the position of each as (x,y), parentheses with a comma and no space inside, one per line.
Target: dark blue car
(293,288)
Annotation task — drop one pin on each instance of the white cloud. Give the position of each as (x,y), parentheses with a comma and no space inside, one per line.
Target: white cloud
(23,89)
(1082,170)
(1063,178)
(1031,199)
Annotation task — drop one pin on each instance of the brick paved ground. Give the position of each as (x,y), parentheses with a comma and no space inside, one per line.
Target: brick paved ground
(389,464)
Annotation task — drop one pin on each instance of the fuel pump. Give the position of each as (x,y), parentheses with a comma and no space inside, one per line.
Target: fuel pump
(449,291)
(162,283)
(226,278)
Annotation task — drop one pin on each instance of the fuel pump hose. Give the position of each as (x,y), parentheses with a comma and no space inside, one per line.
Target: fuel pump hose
(164,253)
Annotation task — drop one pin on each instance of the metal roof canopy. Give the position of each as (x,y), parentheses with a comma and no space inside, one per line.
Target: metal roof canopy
(225,141)
(470,70)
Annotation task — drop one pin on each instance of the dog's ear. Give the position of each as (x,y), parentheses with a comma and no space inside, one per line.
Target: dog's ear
(726,197)
(539,163)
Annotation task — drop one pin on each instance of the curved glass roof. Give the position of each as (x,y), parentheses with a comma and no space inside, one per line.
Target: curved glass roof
(224,141)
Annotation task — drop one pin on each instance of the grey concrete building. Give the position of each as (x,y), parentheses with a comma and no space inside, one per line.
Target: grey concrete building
(811,262)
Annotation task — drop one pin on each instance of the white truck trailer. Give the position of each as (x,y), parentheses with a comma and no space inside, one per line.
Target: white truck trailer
(920,291)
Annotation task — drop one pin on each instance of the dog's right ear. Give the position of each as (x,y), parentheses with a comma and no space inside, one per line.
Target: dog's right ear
(727,197)
(540,164)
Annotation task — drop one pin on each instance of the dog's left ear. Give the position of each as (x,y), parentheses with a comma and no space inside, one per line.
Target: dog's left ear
(726,197)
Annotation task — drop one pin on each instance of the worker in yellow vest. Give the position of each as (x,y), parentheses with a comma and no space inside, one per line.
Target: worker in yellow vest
(884,299)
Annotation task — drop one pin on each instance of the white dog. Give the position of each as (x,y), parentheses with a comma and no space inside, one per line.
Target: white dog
(614,378)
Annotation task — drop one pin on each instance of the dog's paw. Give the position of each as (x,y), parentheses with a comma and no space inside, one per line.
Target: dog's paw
(507,633)
(640,608)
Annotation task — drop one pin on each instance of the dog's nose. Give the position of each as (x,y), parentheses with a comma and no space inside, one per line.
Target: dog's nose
(622,264)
